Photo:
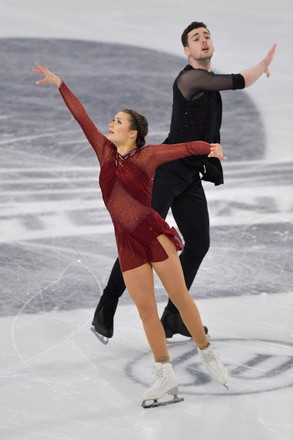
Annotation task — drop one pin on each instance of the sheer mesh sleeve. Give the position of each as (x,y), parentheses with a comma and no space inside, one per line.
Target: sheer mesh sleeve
(195,80)
(154,155)
(98,141)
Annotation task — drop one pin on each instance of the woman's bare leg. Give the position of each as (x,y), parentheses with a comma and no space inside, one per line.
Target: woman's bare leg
(171,275)
(140,285)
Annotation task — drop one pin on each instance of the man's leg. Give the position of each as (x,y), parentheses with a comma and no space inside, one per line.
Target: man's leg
(190,212)
(191,215)
(103,321)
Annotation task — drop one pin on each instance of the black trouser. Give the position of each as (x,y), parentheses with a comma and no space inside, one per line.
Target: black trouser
(189,208)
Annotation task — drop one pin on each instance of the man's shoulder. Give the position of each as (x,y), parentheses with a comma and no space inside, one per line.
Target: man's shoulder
(185,69)
(182,72)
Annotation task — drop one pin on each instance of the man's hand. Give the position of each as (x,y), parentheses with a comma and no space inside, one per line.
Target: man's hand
(268,59)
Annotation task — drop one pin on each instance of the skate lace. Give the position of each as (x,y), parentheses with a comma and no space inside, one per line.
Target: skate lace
(212,356)
(212,359)
(160,379)
(213,364)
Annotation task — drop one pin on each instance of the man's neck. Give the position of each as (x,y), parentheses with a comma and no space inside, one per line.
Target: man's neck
(200,64)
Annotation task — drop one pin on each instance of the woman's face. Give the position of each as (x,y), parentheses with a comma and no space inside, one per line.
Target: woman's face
(120,132)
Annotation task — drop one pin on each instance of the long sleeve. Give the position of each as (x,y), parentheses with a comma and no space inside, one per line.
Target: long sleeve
(154,155)
(98,141)
(195,80)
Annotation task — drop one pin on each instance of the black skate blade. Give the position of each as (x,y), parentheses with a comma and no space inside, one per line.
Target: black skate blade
(155,403)
(101,338)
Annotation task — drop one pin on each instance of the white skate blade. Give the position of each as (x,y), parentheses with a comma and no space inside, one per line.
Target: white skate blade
(155,402)
(101,338)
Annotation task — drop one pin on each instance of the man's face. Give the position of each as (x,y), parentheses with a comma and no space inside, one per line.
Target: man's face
(200,46)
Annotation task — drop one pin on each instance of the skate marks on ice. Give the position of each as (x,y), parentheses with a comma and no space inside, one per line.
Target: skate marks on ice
(252,334)
(252,232)
(60,381)
(50,275)
(260,366)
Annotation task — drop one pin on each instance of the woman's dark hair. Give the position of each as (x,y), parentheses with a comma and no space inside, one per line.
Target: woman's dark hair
(193,25)
(138,123)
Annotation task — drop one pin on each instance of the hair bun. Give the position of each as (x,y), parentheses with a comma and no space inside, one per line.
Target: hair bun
(140,124)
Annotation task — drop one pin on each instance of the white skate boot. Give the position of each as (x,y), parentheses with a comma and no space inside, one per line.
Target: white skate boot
(213,364)
(165,383)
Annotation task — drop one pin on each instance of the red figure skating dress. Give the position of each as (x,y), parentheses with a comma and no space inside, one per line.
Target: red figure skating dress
(126,185)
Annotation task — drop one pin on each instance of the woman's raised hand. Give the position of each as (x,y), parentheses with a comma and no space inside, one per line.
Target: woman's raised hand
(50,77)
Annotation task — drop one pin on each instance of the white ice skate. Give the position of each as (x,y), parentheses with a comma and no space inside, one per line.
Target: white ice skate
(165,383)
(214,365)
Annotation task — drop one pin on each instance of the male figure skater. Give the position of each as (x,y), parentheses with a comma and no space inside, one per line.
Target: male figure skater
(196,115)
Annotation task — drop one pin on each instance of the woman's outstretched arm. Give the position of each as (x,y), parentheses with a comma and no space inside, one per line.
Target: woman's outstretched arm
(155,155)
(94,136)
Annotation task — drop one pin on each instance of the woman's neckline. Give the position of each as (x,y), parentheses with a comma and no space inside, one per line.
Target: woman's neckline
(130,153)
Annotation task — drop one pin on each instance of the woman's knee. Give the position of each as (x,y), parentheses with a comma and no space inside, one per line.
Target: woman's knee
(147,312)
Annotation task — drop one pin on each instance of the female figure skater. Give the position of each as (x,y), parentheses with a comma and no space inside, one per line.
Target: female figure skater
(144,240)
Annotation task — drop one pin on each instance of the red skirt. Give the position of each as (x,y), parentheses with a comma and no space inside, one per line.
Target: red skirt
(141,246)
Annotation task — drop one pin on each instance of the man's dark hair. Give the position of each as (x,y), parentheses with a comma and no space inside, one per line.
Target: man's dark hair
(193,25)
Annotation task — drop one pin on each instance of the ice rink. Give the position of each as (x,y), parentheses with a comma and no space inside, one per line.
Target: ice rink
(57,247)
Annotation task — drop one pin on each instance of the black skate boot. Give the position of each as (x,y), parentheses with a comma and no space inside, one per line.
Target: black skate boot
(103,321)
(172,323)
